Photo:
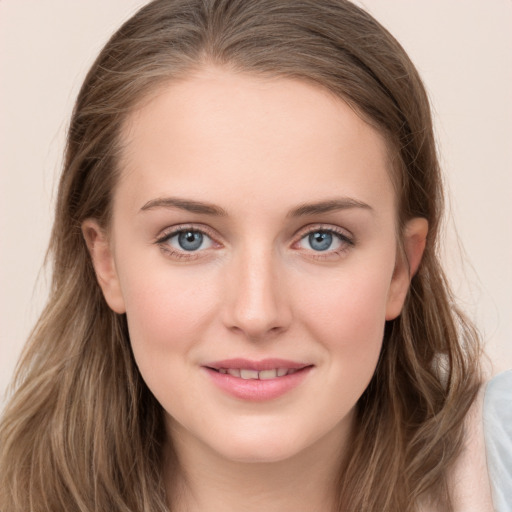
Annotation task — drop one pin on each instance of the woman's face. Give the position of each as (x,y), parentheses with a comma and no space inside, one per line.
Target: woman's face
(253,250)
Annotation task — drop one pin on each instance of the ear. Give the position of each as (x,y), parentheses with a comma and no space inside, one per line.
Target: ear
(414,241)
(104,265)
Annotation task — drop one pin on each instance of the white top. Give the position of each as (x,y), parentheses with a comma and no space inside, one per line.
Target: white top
(481,480)
(497,423)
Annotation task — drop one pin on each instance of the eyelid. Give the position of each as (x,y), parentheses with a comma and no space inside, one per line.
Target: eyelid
(330,228)
(171,231)
(345,237)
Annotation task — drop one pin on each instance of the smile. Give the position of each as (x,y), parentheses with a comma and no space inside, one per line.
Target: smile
(257,381)
(255,374)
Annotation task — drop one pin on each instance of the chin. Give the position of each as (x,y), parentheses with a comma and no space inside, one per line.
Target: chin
(261,445)
(259,454)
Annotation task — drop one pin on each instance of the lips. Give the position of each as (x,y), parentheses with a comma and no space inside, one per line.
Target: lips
(264,364)
(257,380)
(247,374)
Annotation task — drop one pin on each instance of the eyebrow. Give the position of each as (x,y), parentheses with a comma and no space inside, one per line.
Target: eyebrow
(185,204)
(305,209)
(331,205)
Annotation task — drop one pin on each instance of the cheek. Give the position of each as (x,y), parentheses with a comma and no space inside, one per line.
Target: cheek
(354,302)
(167,311)
(348,319)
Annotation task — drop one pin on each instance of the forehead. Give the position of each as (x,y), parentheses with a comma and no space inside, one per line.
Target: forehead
(219,135)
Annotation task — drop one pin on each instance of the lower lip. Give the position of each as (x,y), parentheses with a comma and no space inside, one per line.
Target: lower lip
(256,390)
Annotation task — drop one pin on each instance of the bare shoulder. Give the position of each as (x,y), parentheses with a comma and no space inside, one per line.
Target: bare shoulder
(469,478)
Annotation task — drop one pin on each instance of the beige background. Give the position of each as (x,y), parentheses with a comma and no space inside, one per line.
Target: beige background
(462,49)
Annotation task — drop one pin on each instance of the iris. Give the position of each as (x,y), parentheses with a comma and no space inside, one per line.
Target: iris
(320,240)
(190,240)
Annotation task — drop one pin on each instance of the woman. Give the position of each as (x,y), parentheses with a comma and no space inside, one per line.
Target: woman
(247,307)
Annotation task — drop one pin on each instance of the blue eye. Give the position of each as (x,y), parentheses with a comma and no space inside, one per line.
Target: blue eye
(189,240)
(320,240)
(323,240)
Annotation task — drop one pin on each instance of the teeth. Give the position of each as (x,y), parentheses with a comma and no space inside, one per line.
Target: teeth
(268,374)
(249,374)
(254,374)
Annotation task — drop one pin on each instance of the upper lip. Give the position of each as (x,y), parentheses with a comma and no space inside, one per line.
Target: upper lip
(263,364)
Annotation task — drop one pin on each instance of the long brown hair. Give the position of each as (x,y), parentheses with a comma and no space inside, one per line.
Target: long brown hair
(81,430)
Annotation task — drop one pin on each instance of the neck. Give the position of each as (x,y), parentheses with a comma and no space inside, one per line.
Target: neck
(204,481)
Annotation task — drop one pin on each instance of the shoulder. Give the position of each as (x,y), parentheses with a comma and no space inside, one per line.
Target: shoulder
(469,479)
(497,427)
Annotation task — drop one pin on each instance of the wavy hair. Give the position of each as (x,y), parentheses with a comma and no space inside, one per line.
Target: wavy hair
(81,430)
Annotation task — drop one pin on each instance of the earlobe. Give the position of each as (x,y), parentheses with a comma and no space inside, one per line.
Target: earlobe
(104,265)
(414,242)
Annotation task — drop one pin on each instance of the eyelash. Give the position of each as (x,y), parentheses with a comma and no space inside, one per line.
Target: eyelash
(162,241)
(347,241)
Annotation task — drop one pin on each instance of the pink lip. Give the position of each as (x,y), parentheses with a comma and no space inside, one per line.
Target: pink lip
(256,390)
(264,364)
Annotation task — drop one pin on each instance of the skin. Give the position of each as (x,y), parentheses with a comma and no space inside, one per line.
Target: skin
(258,149)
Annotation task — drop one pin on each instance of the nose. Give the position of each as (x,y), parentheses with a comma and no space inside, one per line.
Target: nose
(256,302)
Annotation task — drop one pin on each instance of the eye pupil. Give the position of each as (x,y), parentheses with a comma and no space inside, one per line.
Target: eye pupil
(190,240)
(320,240)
